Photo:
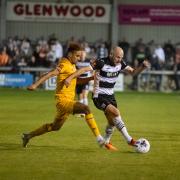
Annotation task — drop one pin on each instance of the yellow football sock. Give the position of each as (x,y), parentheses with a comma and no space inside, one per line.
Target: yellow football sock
(92,124)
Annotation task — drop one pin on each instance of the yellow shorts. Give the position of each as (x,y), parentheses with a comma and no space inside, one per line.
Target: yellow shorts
(64,107)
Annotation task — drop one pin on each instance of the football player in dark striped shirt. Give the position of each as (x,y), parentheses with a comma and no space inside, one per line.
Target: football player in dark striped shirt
(106,73)
(82,90)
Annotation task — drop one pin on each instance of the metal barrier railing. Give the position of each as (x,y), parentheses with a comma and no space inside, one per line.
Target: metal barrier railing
(147,80)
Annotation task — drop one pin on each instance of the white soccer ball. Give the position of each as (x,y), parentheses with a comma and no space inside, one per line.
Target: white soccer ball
(142,145)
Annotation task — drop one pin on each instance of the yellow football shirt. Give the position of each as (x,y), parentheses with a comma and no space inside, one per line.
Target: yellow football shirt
(67,68)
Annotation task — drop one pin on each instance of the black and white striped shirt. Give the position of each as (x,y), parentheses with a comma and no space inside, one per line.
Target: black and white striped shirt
(106,74)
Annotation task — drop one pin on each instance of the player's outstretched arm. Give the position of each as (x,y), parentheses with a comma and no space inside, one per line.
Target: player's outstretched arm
(145,64)
(43,78)
(84,80)
(68,80)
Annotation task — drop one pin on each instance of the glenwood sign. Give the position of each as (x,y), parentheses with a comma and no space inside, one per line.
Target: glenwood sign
(65,12)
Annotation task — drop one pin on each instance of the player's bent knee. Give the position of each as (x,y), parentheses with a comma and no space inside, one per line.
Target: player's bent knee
(55,128)
(48,127)
(116,113)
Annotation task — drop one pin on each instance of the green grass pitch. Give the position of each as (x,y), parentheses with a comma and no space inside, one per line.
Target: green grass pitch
(72,152)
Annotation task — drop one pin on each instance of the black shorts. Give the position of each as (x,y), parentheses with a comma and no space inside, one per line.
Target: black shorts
(81,87)
(102,101)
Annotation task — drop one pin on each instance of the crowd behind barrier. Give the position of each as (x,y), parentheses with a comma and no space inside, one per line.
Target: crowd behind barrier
(18,54)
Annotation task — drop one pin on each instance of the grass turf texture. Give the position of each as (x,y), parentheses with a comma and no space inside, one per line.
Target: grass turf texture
(72,152)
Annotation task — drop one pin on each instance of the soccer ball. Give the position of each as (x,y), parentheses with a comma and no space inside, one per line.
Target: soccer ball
(142,145)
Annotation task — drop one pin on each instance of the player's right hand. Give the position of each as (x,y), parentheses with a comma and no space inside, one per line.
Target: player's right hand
(67,82)
(31,88)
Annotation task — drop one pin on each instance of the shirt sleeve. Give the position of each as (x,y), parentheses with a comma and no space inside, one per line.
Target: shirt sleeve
(64,68)
(123,65)
(97,64)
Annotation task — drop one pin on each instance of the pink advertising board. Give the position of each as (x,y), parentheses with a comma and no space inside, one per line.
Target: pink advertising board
(149,14)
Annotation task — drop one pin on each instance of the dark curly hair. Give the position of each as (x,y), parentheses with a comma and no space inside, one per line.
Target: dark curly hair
(75,47)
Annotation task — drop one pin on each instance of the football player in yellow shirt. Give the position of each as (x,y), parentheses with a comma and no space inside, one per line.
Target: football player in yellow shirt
(64,96)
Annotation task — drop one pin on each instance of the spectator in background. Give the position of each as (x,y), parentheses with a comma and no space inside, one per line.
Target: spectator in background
(86,47)
(140,56)
(125,46)
(43,50)
(92,53)
(58,50)
(26,50)
(4,58)
(36,55)
(32,62)
(169,51)
(102,51)
(42,41)
(158,63)
(159,55)
(11,50)
(15,60)
(151,48)
(139,45)
(176,68)
(51,56)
